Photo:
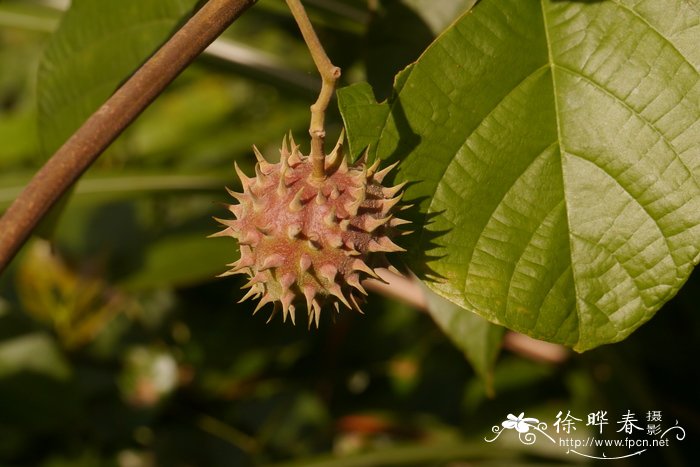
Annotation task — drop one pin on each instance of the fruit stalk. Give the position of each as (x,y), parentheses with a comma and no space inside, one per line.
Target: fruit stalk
(329,76)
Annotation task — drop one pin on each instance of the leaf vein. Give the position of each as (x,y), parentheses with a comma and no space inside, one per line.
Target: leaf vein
(651,27)
(524,249)
(633,199)
(632,110)
(495,208)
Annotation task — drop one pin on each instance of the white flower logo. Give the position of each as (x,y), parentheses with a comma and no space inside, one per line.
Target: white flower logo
(521,424)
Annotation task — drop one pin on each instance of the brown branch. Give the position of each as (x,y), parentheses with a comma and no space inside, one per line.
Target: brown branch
(103,127)
(407,290)
(401,288)
(329,75)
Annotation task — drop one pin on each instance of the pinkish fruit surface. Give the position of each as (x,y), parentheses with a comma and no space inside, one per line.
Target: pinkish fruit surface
(304,240)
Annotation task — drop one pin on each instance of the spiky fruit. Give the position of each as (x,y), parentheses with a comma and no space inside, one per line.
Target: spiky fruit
(308,240)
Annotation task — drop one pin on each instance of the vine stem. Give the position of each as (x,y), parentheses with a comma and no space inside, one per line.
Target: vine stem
(329,76)
(77,154)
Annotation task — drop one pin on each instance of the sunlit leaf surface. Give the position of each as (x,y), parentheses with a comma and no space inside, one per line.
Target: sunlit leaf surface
(554,149)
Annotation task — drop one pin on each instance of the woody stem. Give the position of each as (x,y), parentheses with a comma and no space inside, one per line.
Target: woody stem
(77,154)
(329,76)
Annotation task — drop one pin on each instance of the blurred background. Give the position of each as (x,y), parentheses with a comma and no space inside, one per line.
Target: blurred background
(119,347)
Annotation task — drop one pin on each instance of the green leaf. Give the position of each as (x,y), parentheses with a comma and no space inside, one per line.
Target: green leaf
(98,45)
(479,339)
(28,16)
(33,352)
(364,119)
(554,149)
(182,259)
(17,134)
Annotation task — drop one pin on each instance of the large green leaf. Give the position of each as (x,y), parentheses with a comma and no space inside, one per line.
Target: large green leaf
(98,44)
(555,149)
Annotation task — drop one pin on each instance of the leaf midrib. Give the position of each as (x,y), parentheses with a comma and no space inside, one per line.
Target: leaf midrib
(555,97)
(488,114)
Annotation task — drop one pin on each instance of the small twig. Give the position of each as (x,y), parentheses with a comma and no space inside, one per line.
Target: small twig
(534,349)
(226,432)
(401,288)
(329,76)
(103,127)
